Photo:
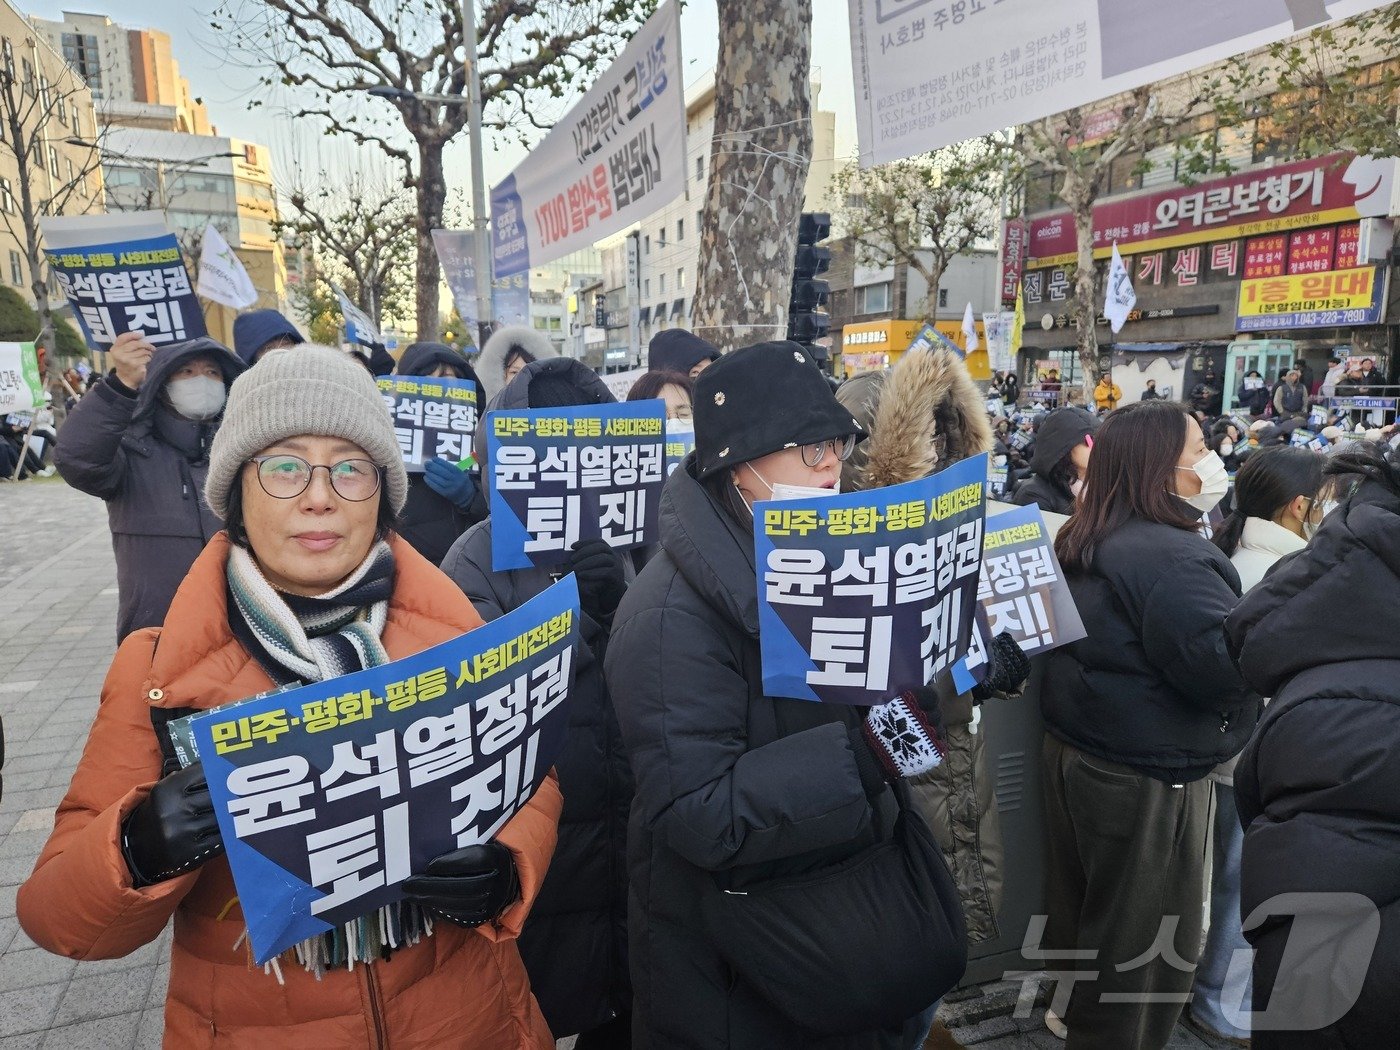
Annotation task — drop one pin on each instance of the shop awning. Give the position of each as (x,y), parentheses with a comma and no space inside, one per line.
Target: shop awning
(678,309)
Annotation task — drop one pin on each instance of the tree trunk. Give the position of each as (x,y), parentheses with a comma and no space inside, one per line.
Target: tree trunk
(1084,300)
(759,157)
(432,192)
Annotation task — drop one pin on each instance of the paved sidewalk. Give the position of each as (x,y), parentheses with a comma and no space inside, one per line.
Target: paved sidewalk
(58,592)
(59,596)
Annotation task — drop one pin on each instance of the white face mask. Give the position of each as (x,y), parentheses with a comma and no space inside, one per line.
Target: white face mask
(1076,487)
(1226,447)
(198,397)
(1310,527)
(782,492)
(1215,482)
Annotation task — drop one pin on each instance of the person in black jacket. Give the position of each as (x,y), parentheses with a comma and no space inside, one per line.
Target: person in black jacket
(1137,714)
(1254,394)
(140,441)
(1062,447)
(734,787)
(575,941)
(1318,787)
(444,500)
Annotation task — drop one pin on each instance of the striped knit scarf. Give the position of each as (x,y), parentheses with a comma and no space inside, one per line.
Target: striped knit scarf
(315,639)
(318,638)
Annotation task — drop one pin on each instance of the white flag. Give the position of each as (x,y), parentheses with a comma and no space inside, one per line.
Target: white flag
(222,278)
(1119,297)
(359,328)
(970,330)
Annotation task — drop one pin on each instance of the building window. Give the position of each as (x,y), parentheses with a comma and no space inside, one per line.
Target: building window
(680,279)
(661,284)
(7,196)
(646,288)
(28,70)
(661,237)
(700,168)
(53,162)
(680,229)
(16,270)
(943,298)
(72,171)
(8,51)
(646,245)
(61,108)
(874,298)
(44,97)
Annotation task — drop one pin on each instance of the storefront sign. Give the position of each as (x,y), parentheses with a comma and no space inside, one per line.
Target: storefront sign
(1320,300)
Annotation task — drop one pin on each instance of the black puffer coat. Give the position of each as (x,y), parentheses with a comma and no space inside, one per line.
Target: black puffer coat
(575,941)
(1318,787)
(730,784)
(1152,686)
(149,463)
(432,523)
(1062,430)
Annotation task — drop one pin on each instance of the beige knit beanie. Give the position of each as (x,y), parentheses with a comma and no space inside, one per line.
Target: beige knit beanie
(306,389)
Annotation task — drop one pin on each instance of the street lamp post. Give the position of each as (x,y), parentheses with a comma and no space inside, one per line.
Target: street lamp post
(481,247)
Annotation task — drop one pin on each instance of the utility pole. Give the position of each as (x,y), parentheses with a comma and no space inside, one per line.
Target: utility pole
(484,282)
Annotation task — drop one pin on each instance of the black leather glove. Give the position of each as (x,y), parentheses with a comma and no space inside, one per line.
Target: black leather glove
(905,735)
(601,584)
(173,831)
(469,886)
(1007,668)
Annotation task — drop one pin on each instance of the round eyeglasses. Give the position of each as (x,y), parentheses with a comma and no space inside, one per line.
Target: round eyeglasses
(841,447)
(286,477)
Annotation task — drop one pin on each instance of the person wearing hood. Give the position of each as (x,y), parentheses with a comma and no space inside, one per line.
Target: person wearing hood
(140,441)
(1062,450)
(308,583)
(676,350)
(506,352)
(258,331)
(1253,395)
(1318,787)
(924,415)
(738,792)
(1278,507)
(1137,714)
(1227,442)
(575,942)
(444,500)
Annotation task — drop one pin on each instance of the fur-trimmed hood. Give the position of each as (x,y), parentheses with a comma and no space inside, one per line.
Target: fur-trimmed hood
(928,414)
(491,365)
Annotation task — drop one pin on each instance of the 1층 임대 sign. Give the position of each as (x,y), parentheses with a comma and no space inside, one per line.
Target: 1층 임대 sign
(867,594)
(560,475)
(433,418)
(329,795)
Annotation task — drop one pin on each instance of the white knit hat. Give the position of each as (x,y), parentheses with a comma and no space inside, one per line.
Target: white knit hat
(306,389)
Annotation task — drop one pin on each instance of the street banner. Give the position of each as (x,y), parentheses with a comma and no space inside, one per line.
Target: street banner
(222,278)
(1312,300)
(123,273)
(999,327)
(866,594)
(1022,588)
(1336,188)
(560,475)
(359,329)
(329,795)
(616,157)
(1119,297)
(680,442)
(1015,61)
(620,383)
(433,418)
(510,298)
(456,253)
(21,389)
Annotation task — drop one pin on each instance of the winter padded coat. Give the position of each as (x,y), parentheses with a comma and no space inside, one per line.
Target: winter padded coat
(732,786)
(458,988)
(1318,787)
(923,415)
(575,942)
(132,450)
(1152,686)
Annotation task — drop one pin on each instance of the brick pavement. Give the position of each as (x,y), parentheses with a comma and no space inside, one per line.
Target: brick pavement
(58,603)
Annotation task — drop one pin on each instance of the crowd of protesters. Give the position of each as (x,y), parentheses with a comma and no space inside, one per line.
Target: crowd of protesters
(632,901)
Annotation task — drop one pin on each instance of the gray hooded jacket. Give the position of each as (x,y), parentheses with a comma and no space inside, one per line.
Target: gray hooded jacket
(149,464)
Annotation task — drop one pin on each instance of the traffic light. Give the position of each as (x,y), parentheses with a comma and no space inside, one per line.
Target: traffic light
(806,321)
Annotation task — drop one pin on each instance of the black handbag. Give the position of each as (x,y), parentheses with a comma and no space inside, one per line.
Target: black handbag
(862,945)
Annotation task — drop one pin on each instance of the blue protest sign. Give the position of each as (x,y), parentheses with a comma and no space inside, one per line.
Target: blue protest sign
(866,594)
(329,795)
(129,286)
(1022,587)
(433,418)
(559,475)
